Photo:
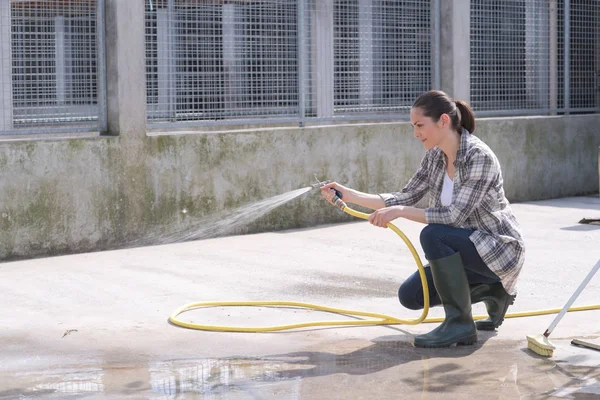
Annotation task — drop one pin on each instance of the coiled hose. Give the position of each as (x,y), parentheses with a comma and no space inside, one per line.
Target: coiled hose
(375,318)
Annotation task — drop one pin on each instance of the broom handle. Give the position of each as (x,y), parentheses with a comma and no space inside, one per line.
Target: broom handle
(562,312)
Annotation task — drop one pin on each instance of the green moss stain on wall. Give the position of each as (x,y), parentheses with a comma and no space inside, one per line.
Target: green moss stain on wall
(44,222)
(30,148)
(164,144)
(77,145)
(8,224)
(171,183)
(109,209)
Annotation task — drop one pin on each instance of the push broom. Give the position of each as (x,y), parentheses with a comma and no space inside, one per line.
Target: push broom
(539,343)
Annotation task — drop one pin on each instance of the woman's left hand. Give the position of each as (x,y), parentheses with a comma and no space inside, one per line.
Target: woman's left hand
(382,216)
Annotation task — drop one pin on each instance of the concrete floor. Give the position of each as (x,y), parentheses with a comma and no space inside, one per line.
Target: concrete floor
(95,325)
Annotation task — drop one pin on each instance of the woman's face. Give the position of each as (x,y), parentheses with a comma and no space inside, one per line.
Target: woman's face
(430,133)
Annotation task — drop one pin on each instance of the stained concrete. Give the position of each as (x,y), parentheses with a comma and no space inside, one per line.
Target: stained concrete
(95,325)
(78,195)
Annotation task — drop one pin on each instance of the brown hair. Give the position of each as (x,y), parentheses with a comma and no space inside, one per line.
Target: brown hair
(434,103)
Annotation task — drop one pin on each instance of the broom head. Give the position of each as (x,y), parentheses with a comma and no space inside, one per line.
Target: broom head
(540,344)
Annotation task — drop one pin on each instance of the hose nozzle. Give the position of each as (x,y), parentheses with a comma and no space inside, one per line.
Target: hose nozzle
(337,197)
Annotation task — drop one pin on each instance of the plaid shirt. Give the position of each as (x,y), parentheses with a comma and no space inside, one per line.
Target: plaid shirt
(478,203)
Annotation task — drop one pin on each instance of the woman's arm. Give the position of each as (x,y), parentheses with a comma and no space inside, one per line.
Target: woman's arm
(482,172)
(411,194)
(382,216)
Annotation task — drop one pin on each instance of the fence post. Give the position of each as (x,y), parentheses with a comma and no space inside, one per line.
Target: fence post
(435,45)
(322,51)
(6,103)
(101,62)
(302,60)
(567,55)
(126,68)
(553,16)
(455,60)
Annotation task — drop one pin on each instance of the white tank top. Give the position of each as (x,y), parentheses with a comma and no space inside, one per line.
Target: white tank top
(447,188)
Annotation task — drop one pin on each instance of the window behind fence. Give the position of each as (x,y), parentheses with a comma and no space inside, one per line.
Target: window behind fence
(49,50)
(518,56)
(268,60)
(382,55)
(215,62)
(221,61)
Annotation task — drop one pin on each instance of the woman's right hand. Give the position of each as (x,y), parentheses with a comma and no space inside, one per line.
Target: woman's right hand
(328,191)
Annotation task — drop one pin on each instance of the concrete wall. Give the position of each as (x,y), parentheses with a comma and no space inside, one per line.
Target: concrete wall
(76,195)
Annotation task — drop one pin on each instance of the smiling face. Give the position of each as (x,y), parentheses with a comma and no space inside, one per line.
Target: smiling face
(430,133)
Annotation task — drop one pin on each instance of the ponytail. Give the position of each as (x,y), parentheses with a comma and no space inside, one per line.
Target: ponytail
(434,103)
(466,116)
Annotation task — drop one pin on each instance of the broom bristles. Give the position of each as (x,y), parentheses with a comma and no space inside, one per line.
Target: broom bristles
(540,344)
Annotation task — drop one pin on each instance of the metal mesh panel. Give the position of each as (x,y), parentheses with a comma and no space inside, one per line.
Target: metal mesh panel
(518,56)
(48,66)
(510,57)
(584,52)
(243,61)
(382,53)
(215,60)
(583,56)
(284,60)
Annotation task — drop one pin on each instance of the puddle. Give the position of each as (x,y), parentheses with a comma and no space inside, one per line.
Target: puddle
(386,367)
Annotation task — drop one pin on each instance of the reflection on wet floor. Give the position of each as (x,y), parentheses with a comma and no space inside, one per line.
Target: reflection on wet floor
(387,367)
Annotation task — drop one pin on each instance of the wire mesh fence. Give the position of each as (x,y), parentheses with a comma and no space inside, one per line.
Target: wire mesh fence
(584,56)
(382,55)
(223,62)
(275,60)
(520,63)
(49,65)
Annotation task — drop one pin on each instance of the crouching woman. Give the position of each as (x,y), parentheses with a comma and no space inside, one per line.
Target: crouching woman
(472,239)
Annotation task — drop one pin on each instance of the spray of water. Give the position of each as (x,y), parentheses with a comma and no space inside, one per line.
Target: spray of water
(227,222)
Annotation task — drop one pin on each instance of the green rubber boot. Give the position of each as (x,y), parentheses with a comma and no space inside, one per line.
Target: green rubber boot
(453,289)
(496,301)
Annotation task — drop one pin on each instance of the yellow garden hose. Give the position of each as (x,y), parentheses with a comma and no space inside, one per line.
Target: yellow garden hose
(378,319)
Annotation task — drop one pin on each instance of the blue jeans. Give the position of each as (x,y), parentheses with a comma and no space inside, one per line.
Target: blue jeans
(439,241)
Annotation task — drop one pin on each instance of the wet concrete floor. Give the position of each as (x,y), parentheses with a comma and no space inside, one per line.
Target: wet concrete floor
(387,367)
(95,325)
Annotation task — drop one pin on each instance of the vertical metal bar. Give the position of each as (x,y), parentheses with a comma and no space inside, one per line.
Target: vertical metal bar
(323,58)
(537,55)
(163,59)
(302,60)
(59,56)
(101,65)
(365,51)
(436,80)
(567,60)
(230,98)
(6,89)
(553,16)
(171,62)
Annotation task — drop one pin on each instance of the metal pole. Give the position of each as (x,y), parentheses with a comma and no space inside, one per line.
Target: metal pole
(171,63)
(435,44)
(302,60)
(567,60)
(553,57)
(101,66)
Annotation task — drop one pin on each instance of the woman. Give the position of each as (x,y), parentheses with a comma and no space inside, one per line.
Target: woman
(472,240)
